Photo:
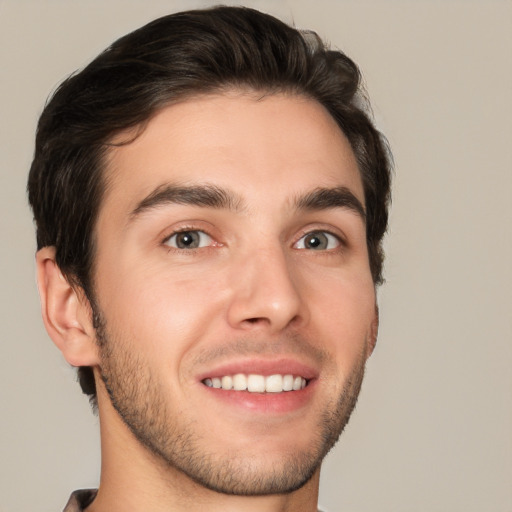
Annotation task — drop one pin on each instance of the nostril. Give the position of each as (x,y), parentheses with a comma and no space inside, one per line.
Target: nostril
(257,320)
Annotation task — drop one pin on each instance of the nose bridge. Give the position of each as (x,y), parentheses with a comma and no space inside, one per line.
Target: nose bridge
(266,290)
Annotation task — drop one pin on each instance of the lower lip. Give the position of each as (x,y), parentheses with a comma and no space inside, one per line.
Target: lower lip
(277,403)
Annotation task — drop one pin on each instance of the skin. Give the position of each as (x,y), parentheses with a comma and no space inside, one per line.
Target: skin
(253,294)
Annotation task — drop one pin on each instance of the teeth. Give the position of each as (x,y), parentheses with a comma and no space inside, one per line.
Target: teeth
(274,384)
(254,383)
(287,382)
(227,382)
(239,382)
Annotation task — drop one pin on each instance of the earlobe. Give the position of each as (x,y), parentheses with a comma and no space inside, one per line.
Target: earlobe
(374,331)
(66,312)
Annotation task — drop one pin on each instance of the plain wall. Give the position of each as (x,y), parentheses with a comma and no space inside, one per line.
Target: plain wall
(433,428)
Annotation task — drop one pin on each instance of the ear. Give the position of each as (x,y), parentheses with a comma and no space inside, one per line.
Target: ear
(374,331)
(66,312)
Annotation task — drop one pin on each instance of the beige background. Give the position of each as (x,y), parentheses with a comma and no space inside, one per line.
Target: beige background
(433,429)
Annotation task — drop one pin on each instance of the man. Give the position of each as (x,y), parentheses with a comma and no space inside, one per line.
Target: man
(210,199)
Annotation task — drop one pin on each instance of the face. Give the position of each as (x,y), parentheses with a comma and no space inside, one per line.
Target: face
(235,297)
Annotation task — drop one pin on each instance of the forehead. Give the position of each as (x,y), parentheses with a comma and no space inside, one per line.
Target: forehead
(242,141)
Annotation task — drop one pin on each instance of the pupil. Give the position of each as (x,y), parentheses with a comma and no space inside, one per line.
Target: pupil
(186,239)
(316,241)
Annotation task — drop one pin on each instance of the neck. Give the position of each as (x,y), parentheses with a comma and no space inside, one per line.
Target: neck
(134,479)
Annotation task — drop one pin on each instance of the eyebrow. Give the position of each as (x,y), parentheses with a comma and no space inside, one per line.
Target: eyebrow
(329,198)
(209,196)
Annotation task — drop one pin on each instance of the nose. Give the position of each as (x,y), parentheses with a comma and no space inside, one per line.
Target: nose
(266,293)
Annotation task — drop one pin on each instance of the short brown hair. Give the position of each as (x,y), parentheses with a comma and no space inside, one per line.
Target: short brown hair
(168,60)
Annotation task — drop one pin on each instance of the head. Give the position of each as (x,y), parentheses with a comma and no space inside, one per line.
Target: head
(129,88)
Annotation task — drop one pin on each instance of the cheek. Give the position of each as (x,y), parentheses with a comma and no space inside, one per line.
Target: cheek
(343,311)
(159,315)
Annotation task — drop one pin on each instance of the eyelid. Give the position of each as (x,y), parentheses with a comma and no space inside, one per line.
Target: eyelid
(322,228)
(189,226)
(329,235)
(203,234)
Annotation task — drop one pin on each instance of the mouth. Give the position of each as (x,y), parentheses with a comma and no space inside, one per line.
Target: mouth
(256,383)
(275,386)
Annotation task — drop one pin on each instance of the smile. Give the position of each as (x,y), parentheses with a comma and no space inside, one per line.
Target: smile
(257,383)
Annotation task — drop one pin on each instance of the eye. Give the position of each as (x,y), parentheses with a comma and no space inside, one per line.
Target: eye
(193,239)
(318,241)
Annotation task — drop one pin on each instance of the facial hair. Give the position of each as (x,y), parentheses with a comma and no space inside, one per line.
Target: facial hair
(140,401)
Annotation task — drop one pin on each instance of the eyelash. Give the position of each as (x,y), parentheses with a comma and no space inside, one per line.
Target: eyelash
(330,237)
(184,230)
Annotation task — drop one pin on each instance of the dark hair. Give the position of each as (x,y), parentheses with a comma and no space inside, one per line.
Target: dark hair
(169,60)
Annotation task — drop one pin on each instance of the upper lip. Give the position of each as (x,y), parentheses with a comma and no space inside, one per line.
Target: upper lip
(261,366)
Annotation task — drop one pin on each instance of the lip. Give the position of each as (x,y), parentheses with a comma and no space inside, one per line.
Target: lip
(264,403)
(263,367)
